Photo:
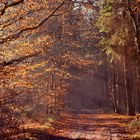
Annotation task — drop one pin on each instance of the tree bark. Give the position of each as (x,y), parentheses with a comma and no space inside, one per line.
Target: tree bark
(114,91)
(136,24)
(138,85)
(127,82)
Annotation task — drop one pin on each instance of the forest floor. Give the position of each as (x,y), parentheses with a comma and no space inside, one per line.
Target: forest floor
(89,126)
(93,126)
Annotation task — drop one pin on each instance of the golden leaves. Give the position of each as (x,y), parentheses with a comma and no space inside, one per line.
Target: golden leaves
(38,65)
(22,84)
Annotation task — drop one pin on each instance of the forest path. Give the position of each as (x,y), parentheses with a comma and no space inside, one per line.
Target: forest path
(93,126)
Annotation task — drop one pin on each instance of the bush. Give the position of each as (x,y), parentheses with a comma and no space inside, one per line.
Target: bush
(135,124)
(135,127)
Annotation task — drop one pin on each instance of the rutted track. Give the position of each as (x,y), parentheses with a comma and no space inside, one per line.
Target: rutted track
(93,126)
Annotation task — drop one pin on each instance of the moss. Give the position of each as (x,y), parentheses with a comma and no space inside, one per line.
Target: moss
(51,119)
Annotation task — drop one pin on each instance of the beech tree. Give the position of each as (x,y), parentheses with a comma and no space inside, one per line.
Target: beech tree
(22,38)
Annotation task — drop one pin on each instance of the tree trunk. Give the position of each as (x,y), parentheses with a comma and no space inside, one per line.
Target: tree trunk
(136,22)
(114,91)
(128,91)
(138,85)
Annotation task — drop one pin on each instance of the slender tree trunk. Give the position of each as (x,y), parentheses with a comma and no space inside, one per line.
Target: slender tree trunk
(118,90)
(127,81)
(138,85)
(114,92)
(106,81)
(136,24)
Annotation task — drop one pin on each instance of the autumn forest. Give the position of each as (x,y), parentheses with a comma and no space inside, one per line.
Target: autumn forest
(69,69)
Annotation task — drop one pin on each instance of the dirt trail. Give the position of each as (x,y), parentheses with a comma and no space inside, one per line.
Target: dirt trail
(93,126)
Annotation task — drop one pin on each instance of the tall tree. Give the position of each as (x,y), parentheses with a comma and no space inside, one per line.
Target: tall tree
(115,23)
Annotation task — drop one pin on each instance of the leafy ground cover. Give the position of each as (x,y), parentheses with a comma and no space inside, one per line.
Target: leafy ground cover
(83,126)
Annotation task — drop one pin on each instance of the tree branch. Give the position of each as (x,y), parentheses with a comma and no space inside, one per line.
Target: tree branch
(14,36)
(2,11)
(18,60)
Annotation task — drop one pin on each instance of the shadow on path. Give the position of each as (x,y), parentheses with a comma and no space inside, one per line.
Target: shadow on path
(35,134)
